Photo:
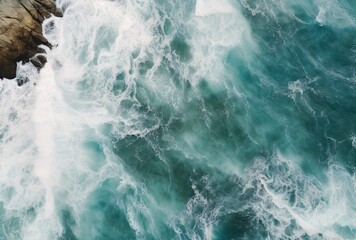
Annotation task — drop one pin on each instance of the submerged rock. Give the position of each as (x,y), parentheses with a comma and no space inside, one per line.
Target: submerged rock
(21,33)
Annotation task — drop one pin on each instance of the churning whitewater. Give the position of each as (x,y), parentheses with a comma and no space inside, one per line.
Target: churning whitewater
(194,119)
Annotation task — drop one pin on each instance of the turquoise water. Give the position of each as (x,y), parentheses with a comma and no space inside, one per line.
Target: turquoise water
(185,120)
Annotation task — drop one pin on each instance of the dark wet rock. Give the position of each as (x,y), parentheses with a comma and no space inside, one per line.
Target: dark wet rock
(36,63)
(41,58)
(22,80)
(21,33)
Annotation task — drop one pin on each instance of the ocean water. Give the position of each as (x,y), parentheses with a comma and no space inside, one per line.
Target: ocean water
(184,119)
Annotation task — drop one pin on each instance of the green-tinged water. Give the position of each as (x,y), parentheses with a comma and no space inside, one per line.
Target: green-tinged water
(185,120)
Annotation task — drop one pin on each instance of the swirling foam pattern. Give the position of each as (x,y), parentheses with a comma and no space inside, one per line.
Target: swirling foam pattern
(204,119)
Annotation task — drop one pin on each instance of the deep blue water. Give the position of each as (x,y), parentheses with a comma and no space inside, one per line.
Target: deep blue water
(204,119)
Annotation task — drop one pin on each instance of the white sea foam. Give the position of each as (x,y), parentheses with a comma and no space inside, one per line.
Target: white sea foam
(286,195)
(48,130)
(45,129)
(205,8)
(335,14)
(353,141)
(215,29)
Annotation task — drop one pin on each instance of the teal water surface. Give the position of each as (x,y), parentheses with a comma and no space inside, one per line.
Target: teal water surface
(185,120)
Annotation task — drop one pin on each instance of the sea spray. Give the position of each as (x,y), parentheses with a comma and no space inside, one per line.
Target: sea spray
(184,120)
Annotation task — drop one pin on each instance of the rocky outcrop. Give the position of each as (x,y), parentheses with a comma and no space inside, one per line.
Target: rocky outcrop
(21,33)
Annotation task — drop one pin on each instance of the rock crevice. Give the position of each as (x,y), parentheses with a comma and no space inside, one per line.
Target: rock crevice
(21,33)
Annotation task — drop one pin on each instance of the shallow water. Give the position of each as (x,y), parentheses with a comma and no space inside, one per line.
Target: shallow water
(184,120)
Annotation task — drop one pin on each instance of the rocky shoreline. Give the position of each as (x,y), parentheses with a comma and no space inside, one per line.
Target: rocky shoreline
(21,33)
